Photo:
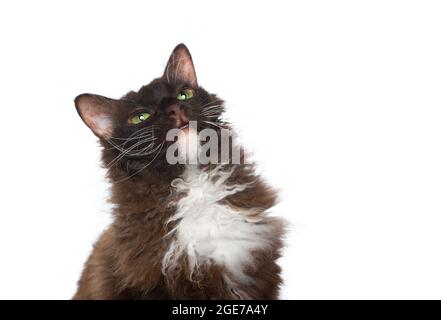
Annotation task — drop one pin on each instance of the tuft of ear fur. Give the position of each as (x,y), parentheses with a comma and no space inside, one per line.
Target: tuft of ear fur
(180,67)
(96,112)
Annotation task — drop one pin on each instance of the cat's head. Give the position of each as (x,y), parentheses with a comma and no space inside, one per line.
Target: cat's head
(133,128)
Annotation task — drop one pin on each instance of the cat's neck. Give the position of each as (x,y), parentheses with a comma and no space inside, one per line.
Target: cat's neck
(145,194)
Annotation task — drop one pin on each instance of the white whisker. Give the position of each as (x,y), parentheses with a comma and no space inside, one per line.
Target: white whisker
(213,124)
(154,158)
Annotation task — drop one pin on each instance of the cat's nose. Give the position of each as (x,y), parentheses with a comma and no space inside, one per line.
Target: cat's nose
(175,112)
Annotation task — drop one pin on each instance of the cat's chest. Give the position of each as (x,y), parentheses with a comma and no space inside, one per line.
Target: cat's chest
(209,230)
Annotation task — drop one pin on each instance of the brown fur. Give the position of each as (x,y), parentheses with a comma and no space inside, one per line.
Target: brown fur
(126,260)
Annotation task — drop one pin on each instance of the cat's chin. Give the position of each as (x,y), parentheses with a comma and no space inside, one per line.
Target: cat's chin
(188,144)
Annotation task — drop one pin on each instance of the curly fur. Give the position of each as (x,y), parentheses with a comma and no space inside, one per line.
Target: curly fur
(178,231)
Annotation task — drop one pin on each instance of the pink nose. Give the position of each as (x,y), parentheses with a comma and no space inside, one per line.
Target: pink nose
(175,112)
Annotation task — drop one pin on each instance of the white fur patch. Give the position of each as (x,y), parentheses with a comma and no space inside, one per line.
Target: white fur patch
(210,232)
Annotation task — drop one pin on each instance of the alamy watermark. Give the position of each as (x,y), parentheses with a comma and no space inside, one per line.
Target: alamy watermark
(205,147)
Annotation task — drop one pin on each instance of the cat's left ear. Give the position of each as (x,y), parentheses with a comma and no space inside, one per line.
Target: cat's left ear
(97,113)
(180,67)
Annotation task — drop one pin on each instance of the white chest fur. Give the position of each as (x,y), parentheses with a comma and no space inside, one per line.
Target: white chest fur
(211,232)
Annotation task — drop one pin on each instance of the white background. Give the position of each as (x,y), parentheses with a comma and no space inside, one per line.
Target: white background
(339,100)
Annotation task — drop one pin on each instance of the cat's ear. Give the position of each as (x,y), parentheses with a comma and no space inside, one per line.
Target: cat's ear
(180,67)
(97,113)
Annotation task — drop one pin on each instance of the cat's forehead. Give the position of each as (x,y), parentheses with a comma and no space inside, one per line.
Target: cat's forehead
(155,91)
(152,93)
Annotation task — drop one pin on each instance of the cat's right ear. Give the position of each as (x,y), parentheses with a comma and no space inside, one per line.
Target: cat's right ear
(97,113)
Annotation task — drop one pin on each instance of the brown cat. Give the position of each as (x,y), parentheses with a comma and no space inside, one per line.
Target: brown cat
(181,229)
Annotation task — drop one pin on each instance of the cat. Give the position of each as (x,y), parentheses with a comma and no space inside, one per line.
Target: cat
(179,231)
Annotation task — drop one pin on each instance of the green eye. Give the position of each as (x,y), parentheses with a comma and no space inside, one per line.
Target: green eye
(185,94)
(140,117)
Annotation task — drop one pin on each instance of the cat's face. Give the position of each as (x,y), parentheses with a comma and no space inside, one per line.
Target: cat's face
(134,128)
